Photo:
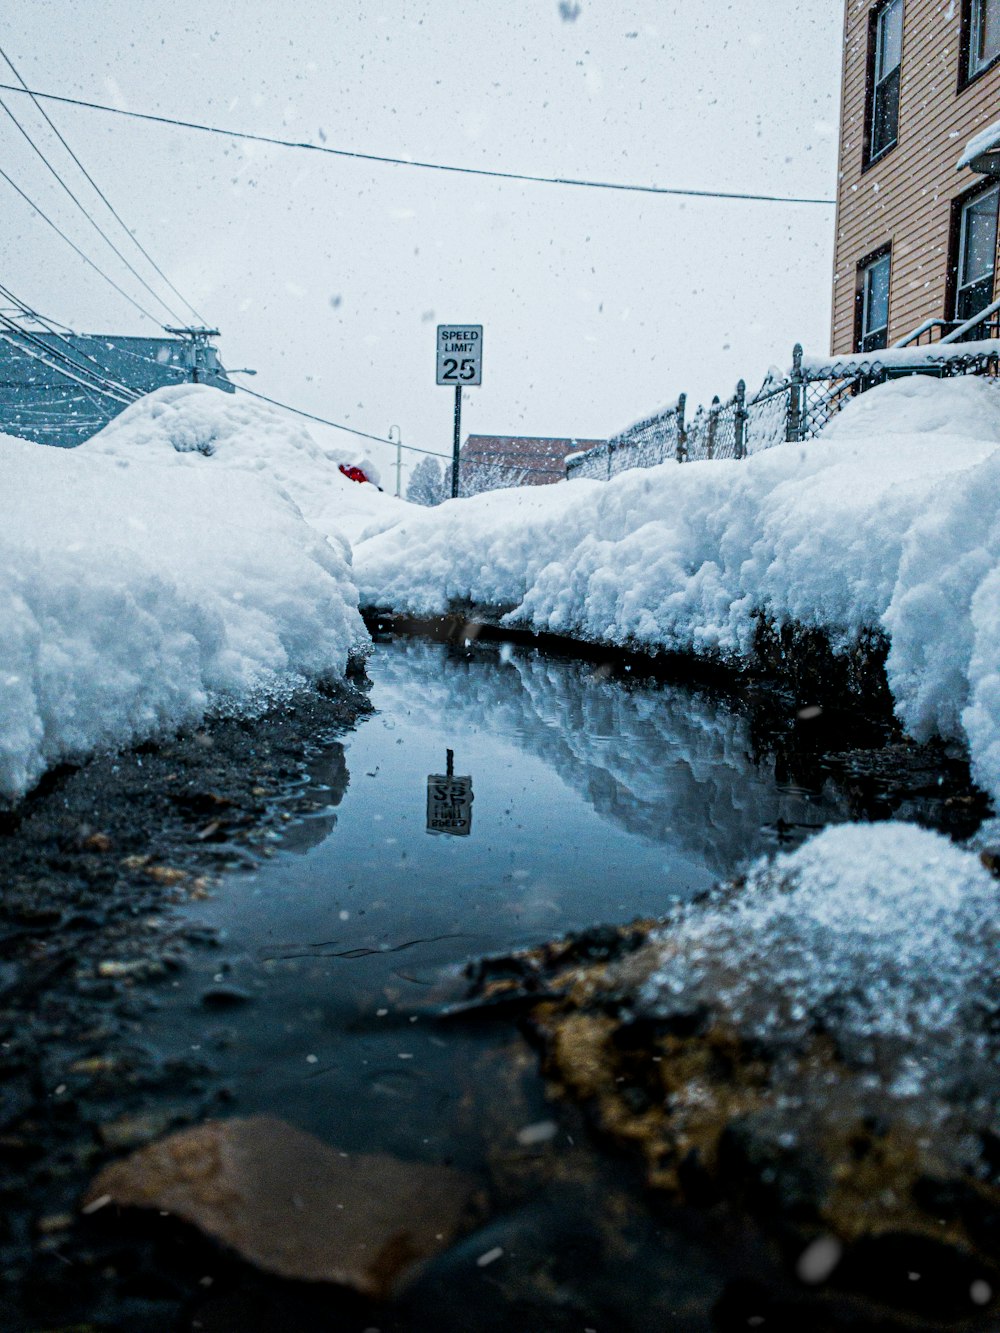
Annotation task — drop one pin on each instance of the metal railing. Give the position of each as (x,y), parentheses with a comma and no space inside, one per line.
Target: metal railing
(790,407)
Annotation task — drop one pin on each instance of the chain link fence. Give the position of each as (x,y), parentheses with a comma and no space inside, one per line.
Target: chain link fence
(650,441)
(792,406)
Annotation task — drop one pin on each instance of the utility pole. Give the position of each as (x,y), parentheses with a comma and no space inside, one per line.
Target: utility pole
(197,338)
(399,459)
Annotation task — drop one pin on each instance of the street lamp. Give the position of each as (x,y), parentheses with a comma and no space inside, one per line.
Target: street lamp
(399,457)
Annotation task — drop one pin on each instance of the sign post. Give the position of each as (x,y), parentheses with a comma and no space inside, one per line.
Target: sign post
(459,364)
(449,802)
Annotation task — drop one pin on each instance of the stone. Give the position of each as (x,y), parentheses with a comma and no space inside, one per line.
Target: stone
(293,1206)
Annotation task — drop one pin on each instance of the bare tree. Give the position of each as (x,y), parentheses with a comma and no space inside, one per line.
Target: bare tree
(426,485)
(478,475)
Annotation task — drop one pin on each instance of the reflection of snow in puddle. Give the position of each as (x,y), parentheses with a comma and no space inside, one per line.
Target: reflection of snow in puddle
(593,801)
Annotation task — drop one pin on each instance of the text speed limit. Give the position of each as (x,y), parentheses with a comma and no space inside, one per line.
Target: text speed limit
(460,354)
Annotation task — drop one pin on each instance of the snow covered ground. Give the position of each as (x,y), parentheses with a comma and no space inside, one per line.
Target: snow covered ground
(143,587)
(887,520)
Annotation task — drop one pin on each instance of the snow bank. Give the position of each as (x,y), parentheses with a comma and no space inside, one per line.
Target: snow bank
(889,519)
(883,931)
(137,595)
(196,427)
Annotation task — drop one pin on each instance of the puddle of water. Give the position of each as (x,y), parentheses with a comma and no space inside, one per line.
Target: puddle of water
(592,801)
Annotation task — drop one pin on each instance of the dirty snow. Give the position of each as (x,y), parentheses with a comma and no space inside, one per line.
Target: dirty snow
(888,521)
(136,595)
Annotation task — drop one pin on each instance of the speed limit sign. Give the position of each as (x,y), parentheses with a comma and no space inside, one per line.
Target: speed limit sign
(460,355)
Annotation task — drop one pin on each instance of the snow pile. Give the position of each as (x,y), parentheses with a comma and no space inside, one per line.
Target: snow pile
(885,932)
(196,427)
(887,520)
(135,596)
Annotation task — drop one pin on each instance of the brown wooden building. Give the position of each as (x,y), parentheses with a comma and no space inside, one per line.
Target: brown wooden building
(916,237)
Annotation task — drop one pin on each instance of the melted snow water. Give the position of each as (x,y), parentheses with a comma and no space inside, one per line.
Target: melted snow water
(594,800)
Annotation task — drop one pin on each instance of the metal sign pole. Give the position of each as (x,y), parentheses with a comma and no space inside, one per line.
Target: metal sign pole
(456,443)
(459,364)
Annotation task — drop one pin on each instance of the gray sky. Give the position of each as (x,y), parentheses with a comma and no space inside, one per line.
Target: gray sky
(329,276)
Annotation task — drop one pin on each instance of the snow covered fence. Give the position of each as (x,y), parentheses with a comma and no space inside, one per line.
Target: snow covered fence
(795,405)
(655,439)
(820,388)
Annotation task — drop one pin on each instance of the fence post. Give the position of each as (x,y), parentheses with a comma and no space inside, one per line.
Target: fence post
(611,449)
(713,419)
(796,392)
(681,429)
(741,420)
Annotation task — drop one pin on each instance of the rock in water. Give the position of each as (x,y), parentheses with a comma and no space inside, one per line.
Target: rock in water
(291,1205)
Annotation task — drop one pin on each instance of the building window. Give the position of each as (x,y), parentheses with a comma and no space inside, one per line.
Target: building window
(885,58)
(980,37)
(975,262)
(872,332)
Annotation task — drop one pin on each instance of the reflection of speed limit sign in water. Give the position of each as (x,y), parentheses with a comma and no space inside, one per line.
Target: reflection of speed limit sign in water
(460,354)
(449,805)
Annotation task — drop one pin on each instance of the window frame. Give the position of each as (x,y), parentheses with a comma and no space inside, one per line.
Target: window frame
(956,247)
(865,267)
(966,74)
(875,17)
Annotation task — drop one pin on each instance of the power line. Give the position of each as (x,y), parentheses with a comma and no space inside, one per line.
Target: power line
(100,381)
(111,208)
(413,162)
(72,244)
(59,332)
(337,425)
(16,335)
(287,407)
(96,225)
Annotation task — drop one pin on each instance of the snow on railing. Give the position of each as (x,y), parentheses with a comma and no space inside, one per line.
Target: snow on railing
(792,405)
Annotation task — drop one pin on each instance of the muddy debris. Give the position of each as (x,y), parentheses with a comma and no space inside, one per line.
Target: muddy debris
(93,864)
(870,1159)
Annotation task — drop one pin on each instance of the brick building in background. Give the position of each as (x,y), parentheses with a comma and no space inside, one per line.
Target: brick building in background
(916,236)
(540,458)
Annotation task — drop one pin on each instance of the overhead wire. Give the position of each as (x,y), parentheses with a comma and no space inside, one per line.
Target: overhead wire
(338,425)
(86,213)
(100,193)
(287,407)
(57,361)
(73,246)
(417,163)
(51,359)
(242,388)
(57,331)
